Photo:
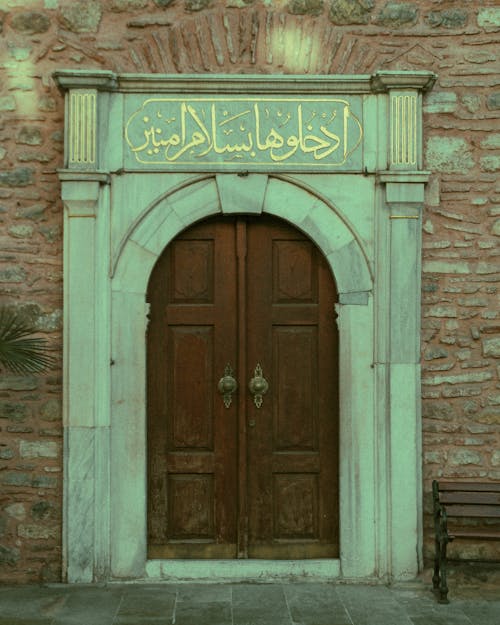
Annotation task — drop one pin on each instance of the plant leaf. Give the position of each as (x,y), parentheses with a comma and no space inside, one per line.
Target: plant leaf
(18,353)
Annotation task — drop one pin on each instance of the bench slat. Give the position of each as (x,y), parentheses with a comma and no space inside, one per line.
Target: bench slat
(473,510)
(482,535)
(468,497)
(493,487)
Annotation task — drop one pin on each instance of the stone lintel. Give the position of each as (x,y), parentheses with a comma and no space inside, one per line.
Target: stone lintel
(381,81)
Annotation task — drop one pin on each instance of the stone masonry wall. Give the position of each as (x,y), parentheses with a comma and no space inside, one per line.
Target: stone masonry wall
(459,40)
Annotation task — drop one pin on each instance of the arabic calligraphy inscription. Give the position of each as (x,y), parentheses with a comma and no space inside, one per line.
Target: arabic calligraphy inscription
(283,132)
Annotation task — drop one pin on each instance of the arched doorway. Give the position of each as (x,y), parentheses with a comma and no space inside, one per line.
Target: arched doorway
(363,212)
(241,469)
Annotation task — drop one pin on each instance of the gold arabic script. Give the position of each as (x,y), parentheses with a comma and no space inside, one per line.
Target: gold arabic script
(181,131)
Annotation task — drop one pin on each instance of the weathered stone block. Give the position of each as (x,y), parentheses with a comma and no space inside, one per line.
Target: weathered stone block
(47,104)
(127,5)
(448,155)
(36,532)
(38,449)
(7,103)
(16,478)
(491,347)
(462,391)
(493,101)
(491,142)
(13,274)
(472,103)
(489,415)
(441,102)
(438,410)
(49,322)
(9,555)
(196,5)
(495,458)
(82,16)
(473,301)
(398,14)
(351,11)
(19,177)
(440,311)
(440,266)
(463,378)
(480,56)
(6,453)
(449,18)
(490,162)
(35,212)
(489,19)
(459,457)
(434,457)
(44,481)
(51,410)
(485,268)
(21,231)
(16,511)
(306,7)
(163,3)
(14,411)
(435,352)
(30,23)
(43,510)
(29,135)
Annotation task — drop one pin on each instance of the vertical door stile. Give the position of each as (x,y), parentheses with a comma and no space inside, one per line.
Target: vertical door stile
(241,256)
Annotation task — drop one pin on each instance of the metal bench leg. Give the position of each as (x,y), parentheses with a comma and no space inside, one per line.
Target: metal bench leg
(443,562)
(435,577)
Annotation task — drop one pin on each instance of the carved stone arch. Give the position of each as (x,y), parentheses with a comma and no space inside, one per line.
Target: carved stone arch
(174,211)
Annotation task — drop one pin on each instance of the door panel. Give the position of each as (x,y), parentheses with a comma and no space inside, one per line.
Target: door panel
(242,481)
(292,449)
(191,437)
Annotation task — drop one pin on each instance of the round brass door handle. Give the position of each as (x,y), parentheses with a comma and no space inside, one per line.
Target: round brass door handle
(227,385)
(258,386)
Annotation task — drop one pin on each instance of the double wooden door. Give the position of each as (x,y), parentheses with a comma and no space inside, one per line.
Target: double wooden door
(250,471)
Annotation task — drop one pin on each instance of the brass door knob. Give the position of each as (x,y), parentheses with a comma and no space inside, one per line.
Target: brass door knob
(258,386)
(227,385)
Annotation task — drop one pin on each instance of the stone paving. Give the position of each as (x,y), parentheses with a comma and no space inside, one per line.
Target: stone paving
(473,602)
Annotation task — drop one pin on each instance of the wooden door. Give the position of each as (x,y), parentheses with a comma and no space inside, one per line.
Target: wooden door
(250,479)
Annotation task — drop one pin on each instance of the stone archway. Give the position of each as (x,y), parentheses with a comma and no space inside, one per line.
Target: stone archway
(121,212)
(156,227)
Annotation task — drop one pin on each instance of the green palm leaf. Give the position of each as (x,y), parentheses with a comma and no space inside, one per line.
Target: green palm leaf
(19,352)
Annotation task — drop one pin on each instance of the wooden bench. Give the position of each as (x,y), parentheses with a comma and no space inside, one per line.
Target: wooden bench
(461,500)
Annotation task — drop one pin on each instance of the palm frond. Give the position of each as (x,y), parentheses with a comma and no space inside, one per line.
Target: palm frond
(20,352)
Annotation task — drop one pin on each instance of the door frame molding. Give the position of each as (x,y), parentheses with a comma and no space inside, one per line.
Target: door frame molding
(116,226)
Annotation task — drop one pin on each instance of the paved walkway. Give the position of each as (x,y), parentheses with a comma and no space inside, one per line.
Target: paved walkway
(473,603)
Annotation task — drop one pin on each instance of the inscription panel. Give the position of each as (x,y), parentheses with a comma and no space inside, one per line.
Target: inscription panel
(229,133)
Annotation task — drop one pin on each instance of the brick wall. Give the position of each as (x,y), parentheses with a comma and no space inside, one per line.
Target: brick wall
(459,40)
